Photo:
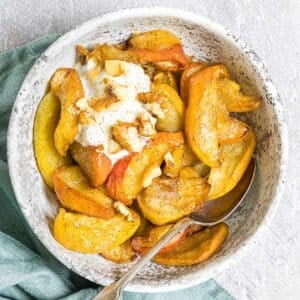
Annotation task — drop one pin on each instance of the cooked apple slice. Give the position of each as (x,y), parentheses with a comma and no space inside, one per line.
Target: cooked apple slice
(73,191)
(167,200)
(154,40)
(120,254)
(174,55)
(94,163)
(128,174)
(142,244)
(47,157)
(86,234)
(185,78)
(235,159)
(113,52)
(201,123)
(65,84)
(196,248)
(172,106)
(158,46)
(234,99)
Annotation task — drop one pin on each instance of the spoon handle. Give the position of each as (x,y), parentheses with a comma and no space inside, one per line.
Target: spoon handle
(113,291)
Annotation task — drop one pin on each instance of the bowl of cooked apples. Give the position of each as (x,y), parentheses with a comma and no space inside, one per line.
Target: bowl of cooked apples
(131,122)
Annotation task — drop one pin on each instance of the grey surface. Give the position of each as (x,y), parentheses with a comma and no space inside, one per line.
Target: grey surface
(271,269)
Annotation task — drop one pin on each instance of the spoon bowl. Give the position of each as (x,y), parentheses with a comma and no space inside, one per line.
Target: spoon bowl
(215,211)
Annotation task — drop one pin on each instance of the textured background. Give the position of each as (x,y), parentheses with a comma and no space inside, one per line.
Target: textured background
(271,269)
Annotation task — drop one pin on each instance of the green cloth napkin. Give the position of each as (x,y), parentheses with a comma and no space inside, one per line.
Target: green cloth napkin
(27,269)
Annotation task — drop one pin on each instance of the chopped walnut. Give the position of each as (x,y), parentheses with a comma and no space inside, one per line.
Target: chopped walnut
(99,148)
(149,97)
(149,69)
(91,64)
(73,110)
(82,53)
(169,159)
(155,109)
(83,104)
(146,124)
(85,118)
(114,67)
(127,136)
(152,102)
(85,112)
(106,102)
(93,67)
(123,210)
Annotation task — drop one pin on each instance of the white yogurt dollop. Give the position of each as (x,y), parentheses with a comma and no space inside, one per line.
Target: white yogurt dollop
(126,88)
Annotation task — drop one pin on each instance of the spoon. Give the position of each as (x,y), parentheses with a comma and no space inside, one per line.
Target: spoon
(212,213)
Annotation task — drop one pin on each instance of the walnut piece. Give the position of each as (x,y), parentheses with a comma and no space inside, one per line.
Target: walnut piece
(114,67)
(126,134)
(146,124)
(123,210)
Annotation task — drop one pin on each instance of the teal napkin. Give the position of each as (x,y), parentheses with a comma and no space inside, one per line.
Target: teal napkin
(27,269)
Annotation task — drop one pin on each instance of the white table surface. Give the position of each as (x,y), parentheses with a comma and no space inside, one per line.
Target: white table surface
(271,269)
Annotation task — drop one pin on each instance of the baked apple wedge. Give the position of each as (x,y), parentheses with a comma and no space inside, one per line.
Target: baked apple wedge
(196,248)
(74,192)
(201,122)
(172,59)
(167,200)
(86,234)
(129,174)
(123,253)
(66,85)
(94,163)
(165,50)
(154,40)
(235,159)
(158,46)
(142,244)
(46,119)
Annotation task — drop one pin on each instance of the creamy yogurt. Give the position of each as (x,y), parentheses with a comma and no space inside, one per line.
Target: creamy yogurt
(126,87)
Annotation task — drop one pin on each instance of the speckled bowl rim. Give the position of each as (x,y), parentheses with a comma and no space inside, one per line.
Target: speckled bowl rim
(212,269)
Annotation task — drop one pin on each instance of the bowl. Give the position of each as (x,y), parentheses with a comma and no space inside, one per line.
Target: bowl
(205,40)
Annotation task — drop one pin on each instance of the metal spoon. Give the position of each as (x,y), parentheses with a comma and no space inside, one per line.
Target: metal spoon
(213,212)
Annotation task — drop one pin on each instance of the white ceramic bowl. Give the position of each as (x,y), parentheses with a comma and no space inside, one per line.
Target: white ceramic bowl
(205,40)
